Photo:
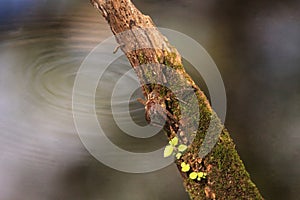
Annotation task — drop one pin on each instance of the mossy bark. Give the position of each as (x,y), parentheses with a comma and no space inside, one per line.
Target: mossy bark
(226,175)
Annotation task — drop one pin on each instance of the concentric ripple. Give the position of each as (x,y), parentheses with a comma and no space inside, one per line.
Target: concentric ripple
(40,51)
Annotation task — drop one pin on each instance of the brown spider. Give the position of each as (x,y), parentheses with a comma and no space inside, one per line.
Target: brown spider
(157,114)
(155,108)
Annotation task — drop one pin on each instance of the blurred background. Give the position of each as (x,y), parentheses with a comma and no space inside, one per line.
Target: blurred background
(255,44)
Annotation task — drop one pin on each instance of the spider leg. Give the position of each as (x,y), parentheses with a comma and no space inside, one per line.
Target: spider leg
(165,111)
(142,101)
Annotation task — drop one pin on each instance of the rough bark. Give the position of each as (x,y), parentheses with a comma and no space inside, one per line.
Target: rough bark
(226,175)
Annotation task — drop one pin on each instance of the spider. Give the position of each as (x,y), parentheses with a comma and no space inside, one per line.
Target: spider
(156,112)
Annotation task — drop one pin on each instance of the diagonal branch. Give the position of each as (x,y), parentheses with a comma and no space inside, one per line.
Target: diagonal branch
(144,45)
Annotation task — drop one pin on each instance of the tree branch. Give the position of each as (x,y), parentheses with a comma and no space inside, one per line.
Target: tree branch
(143,44)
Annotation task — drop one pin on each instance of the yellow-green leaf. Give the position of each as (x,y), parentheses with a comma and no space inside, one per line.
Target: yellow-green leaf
(182,147)
(168,151)
(174,141)
(178,155)
(185,167)
(193,175)
(200,174)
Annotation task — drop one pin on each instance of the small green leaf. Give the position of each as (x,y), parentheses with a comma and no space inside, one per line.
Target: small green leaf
(193,175)
(182,148)
(168,151)
(174,141)
(178,155)
(185,167)
(200,174)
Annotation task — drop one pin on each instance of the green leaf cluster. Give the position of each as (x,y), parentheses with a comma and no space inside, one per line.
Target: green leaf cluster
(185,167)
(169,149)
(198,175)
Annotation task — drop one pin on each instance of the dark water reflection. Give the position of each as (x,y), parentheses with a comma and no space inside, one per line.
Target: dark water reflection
(256,46)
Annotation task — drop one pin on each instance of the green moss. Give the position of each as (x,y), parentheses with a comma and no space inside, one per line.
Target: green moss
(233,179)
(142,59)
(148,74)
(226,177)
(169,59)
